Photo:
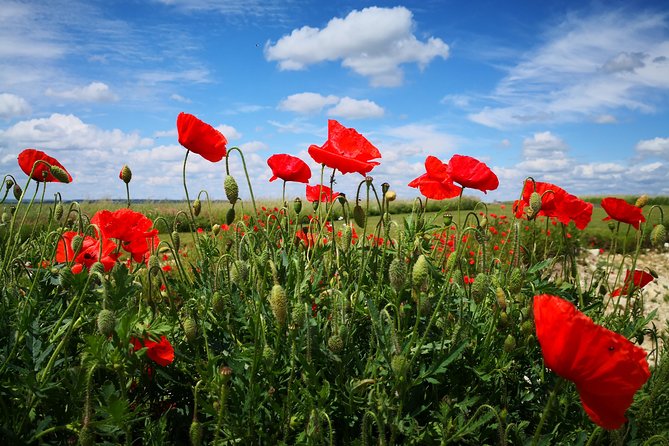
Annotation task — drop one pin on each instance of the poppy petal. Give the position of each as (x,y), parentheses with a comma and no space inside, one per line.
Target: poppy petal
(200,137)
(27,159)
(472,173)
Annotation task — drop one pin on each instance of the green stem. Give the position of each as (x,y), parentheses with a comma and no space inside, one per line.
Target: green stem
(547,409)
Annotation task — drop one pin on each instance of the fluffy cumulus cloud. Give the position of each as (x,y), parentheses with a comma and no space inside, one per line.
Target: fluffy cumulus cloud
(93,92)
(346,107)
(12,106)
(373,42)
(653,147)
(586,67)
(307,103)
(355,109)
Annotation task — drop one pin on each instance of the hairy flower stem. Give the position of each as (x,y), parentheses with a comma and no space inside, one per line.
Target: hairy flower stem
(246,173)
(547,409)
(127,194)
(190,207)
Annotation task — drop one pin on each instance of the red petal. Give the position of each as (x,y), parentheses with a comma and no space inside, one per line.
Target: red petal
(325,155)
(27,159)
(201,138)
(620,210)
(348,142)
(472,173)
(289,168)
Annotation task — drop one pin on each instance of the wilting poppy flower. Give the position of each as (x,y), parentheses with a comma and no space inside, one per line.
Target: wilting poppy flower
(325,192)
(201,138)
(161,352)
(436,183)
(555,202)
(289,168)
(607,368)
(132,228)
(472,173)
(640,280)
(89,252)
(27,159)
(345,150)
(620,210)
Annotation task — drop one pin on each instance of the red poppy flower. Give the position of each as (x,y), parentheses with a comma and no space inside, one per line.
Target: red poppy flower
(132,228)
(161,352)
(29,157)
(472,173)
(607,368)
(89,252)
(640,280)
(555,202)
(289,168)
(436,183)
(326,193)
(345,150)
(201,138)
(620,210)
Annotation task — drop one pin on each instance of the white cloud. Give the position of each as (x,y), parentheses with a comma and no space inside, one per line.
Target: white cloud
(166,133)
(229,132)
(356,109)
(179,98)
(93,92)
(12,106)
(307,103)
(605,119)
(654,147)
(587,66)
(544,144)
(458,100)
(373,42)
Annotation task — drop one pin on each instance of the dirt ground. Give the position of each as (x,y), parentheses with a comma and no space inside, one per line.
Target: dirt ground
(655,294)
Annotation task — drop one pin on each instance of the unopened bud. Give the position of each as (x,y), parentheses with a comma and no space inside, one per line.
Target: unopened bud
(448,219)
(17,192)
(190,329)
(535,202)
(97,268)
(216,228)
(9,183)
(125,174)
(297,205)
(176,240)
(509,344)
(197,207)
(359,216)
(279,304)
(391,195)
(335,344)
(59,174)
(106,322)
(658,235)
(77,242)
(397,273)
(642,201)
(230,216)
(231,189)
(58,211)
(420,272)
(385,187)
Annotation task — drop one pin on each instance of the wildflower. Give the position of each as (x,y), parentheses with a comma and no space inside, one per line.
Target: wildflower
(125,174)
(345,150)
(607,368)
(436,183)
(289,168)
(42,172)
(201,138)
(639,280)
(620,210)
(472,173)
(88,253)
(325,193)
(161,352)
(132,229)
(555,202)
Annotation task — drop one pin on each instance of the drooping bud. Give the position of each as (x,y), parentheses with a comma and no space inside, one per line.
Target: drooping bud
(527,327)
(66,277)
(176,240)
(480,286)
(535,202)
(515,281)
(154,265)
(58,211)
(509,343)
(239,272)
(397,273)
(196,432)
(197,207)
(641,201)
(359,216)
(335,344)
(5,218)
(279,304)
(97,268)
(448,219)
(658,235)
(218,303)
(231,189)
(347,237)
(483,223)
(399,365)
(501,298)
(125,174)
(216,228)
(77,242)
(190,329)
(9,183)
(17,192)
(420,272)
(391,195)
(59,174)
(385,187)
(297,205)
(230,216)
(106,322)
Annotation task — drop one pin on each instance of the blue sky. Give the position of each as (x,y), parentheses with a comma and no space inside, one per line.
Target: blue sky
(575,93)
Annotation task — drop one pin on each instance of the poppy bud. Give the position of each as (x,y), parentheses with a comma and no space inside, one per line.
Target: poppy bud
(125,174)
(59,174)
(448,219)
(483,223)
(216,228)
(97,268)
(359,216)
(268,354)
(17,192)
(279,304)
(297,205)
(9,183)
(238,272)
(58,211)
(658,235)
(176,240)
(420,272)
(480,286)
(154,265)
(347,236)
(86,436)
(298,315)
(197,207)
(391,195)
(231,189)
(218,303)
(397,273)
(641,201)
(527,327)
(503,319)
(190,329)
(341,198)
(77,242)
(501,298)
(535,202)
(106,322)
(335,344)
(399,365)
(515,281)
(509,344)
(66,277)
(196,431)
(5,218)
(451,261)
(230,216)
(612,226)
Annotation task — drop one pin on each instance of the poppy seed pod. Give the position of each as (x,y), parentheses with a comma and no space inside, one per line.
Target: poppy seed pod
(106,322)
(125,174)
(231,189)
(297,205)
(359,216)
(59,174)
(385,187)
(658,235)
(279,304)
(197,207)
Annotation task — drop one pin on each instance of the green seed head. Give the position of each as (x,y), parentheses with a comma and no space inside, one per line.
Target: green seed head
(231,189)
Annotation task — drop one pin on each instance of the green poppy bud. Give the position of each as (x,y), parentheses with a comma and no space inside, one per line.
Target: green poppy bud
(420,272)
(190,329)
(359,216)
(126,174)
(230,216)
(279,304)
(59,174)
(335,344)
(231,189)
(106,322)
(197,207)
(509,344)
(658,235)
(297,205)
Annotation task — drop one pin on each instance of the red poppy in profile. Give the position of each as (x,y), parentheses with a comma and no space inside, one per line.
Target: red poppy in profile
(161,352)
(555,202)
(345,150)
(132,229)
(640,280)
(325,193)
(201,138)
(89,252)
(289,168)
(29,157)
(472,173)
(607,368)
(620,210)
(436,183)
